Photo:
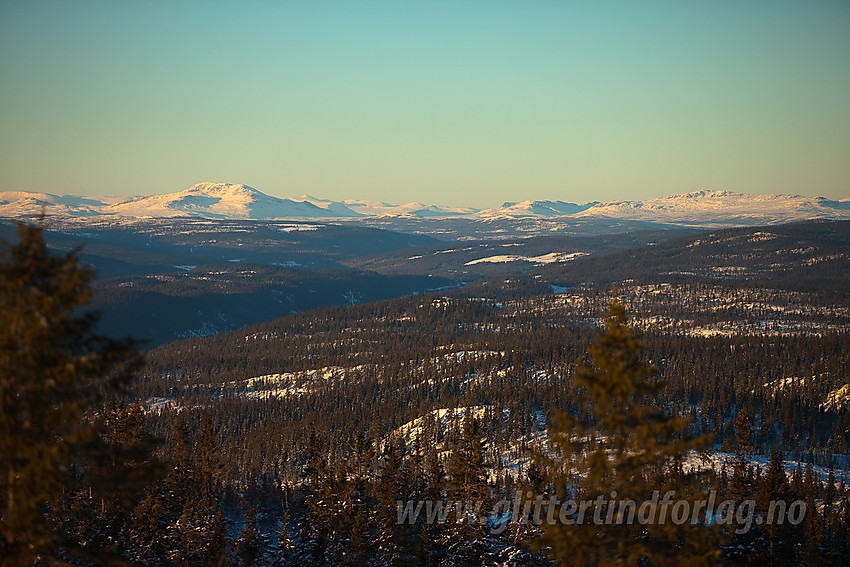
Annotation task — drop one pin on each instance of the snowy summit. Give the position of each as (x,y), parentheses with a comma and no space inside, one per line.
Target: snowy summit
(237,201)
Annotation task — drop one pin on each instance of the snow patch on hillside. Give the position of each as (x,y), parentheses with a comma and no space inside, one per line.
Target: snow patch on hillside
(514,458)
(542,259)
(837,399)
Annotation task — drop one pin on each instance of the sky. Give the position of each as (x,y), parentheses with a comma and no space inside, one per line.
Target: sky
(447,102)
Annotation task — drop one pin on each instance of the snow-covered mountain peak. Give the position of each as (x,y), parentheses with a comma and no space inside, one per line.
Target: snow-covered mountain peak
(720,208)
(238,201)
(532,208)
(221,190)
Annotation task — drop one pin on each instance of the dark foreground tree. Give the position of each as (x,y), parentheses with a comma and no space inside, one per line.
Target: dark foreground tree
(53,371)
(625,449)
(777,536)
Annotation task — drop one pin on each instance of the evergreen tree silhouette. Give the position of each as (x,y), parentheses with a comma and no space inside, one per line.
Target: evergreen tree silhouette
(622,453)
(54,371)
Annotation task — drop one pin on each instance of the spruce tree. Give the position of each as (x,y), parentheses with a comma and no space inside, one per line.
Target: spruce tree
(146,541)
(742,487)
(316,534)
(812,523)
(467,487)
(248,545)
(358,499)
(435,476)
(829,510)
(54,370)
(110,482)
(358,544)
(283,556)
(740,483)
(192,491)
(773,488)
(431,534)
(205,492)
(217,551)
(621,453)
(395,540)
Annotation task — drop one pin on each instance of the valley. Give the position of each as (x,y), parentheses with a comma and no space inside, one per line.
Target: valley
(290,345)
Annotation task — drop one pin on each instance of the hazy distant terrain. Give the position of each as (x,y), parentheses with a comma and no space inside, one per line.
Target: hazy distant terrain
(240,202)
(168,278)
(810,255)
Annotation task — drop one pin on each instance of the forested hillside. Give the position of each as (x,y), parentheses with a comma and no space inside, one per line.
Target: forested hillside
(202,301)
(810,255)
(378,366)
(430,429)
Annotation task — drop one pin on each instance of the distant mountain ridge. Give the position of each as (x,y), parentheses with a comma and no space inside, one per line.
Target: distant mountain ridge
(222,201)
(241,202)
(724,207)
(538,209)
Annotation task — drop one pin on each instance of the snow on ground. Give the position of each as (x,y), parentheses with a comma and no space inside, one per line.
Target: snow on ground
(284,384)
(837,399)
(156,405)
(790,382)
(515,458)
(448,419)
(549,258)
(298,227)
(765,328)
(292,383)
(719,458)
(783,314)
(473,354)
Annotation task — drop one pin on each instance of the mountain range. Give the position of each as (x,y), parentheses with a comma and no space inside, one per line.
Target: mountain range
(241,202)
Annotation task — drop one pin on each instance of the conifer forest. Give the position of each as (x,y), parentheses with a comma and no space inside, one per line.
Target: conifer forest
(516,419)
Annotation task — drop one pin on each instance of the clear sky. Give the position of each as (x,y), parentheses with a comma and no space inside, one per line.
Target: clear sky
(447,102)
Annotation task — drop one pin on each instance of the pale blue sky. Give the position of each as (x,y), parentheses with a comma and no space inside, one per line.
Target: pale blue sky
(466,103)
